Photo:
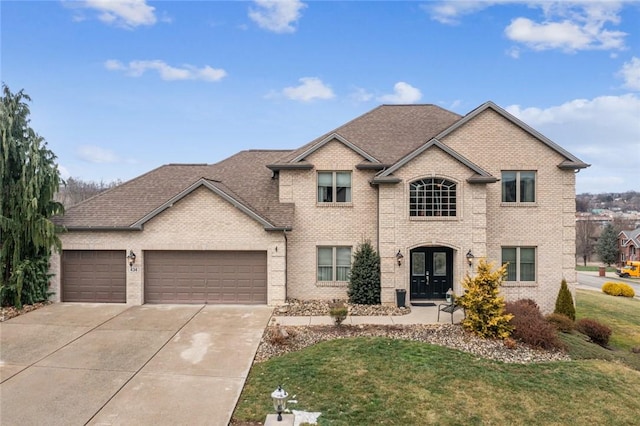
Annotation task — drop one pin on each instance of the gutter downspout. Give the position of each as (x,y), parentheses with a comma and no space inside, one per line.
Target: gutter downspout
(286,264)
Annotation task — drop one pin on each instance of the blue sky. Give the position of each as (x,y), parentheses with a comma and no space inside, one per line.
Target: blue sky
(122,87)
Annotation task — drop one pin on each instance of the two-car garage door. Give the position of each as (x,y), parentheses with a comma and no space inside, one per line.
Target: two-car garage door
(213,277)
(205,277)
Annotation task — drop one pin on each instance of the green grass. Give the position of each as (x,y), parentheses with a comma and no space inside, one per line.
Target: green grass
(365,381)
(622,314)
(591,268)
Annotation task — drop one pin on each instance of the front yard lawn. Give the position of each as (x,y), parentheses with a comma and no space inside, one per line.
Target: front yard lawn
(377,380)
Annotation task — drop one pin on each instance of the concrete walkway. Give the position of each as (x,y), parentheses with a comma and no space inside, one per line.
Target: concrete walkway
(418,315)
(107,364)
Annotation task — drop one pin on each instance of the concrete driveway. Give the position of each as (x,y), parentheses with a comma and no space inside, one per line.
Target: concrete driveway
(107,364)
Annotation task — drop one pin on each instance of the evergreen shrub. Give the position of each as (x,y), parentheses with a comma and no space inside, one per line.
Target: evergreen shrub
(564,302)
(618,289)
(483,305)
(364,279)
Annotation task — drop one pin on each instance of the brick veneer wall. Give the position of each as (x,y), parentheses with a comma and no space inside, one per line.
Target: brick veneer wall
(399,231)
(200,221)
(483,223)
(341,224)
(495,144)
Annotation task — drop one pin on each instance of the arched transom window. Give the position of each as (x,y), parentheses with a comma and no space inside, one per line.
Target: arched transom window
(432,197)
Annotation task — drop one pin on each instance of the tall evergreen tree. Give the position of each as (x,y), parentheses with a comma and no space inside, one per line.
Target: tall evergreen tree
(364,280)
(607,247)
(29,179)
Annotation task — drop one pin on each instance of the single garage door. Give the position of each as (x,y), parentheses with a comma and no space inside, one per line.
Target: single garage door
(94,276)
(205,277)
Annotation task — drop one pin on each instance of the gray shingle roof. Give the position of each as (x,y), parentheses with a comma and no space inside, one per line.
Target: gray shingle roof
(388,132)
(383,136)
(243,177)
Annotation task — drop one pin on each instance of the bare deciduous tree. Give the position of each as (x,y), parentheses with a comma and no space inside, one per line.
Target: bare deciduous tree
(585,238)
(75,190)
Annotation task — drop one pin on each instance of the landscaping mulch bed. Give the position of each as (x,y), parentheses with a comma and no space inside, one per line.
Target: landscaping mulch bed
(278,340)
(295,307)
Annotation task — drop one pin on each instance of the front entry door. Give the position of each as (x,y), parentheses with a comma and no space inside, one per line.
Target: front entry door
(431,272)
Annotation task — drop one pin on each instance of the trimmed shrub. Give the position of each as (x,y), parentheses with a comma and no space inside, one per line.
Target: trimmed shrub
(338,312)
(564,302)
(561,322)
(484,308)
(618,289)
(530,326)
(364,279)
(596,331)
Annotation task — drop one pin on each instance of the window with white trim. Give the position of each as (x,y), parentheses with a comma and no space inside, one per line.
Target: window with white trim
(334,187)
(518,186)
(521,263)
(432,197)
(334,263)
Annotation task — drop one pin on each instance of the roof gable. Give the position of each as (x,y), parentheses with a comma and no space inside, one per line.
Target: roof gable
(571,161)
(385,134)
(243,180)
(333,137)
(213,187)
(481,176)
(631,237)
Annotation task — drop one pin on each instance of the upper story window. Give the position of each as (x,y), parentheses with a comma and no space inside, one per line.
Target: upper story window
(334,187)
(518,187)
(521,263)
(432,197)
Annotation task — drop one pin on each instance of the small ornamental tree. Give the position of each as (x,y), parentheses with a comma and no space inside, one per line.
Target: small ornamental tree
(607,247)
(564,302)
(364,280)
(484,307)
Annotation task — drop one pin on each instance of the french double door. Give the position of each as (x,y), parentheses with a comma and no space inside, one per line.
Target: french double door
(431,272)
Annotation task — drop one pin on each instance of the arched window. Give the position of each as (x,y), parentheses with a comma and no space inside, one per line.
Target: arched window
(432,197)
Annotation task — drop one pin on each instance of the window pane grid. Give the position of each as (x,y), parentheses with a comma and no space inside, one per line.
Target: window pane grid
(334,187)
(432,197)
(518,186)
(334,263)
(521,263)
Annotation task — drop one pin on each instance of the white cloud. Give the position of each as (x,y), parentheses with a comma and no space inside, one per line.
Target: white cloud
(167,72)
(630,72)
(122,13)
(95,154)
(360,95)
(449,12)
(570,26)
(311,88)
(278,16)
(603,131)
(565,25)
(403,93)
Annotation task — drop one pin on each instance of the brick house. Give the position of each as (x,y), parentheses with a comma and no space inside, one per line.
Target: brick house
(629,245)
(432,190)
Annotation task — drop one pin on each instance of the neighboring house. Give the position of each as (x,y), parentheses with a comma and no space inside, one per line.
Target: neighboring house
(629,245)
(427,186)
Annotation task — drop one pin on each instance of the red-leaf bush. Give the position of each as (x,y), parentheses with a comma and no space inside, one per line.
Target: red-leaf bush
(596,331)
(530,326)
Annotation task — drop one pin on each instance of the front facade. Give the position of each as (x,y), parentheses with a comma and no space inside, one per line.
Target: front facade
(433,191)
(629,245)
